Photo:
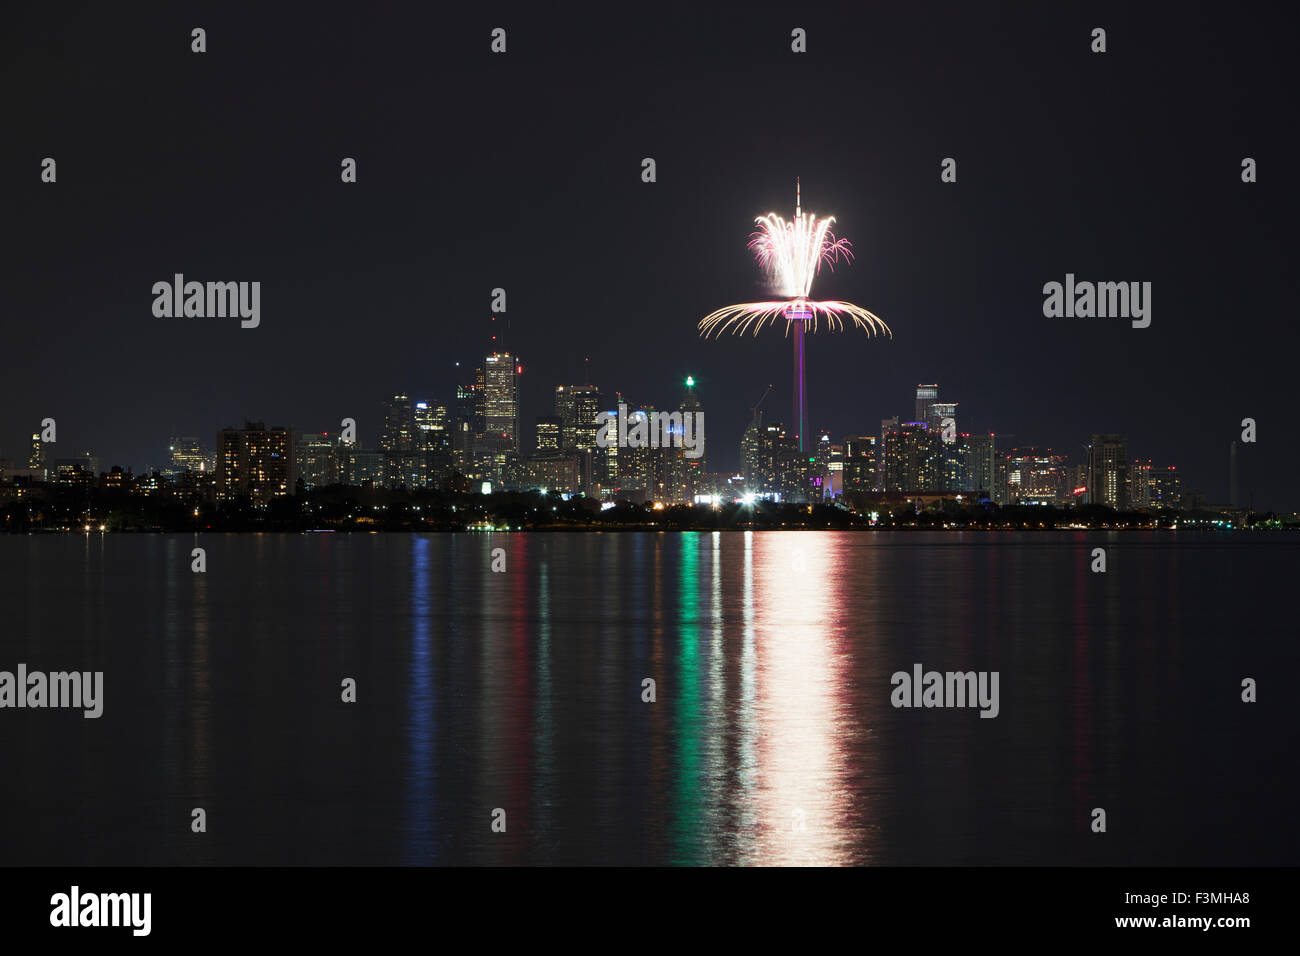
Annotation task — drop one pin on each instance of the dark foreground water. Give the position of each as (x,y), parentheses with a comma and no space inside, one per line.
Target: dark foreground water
(772,738)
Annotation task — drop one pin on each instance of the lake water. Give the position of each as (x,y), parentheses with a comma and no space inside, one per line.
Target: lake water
(772,738)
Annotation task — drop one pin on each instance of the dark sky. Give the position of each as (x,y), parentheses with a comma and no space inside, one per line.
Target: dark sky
(523,171)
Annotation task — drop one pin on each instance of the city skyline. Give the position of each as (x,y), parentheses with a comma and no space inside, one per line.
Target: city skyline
(424,444)
(359,294)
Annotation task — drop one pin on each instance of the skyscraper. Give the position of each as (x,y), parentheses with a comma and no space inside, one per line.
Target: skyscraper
(859,463)
(255,461)
(468,427)
(685,476)
(886,426)
(397,441)
(979,460)
(36,461)
(1139,483)
(550,429)
(187,454)
(1108,472)
(926,395)
(432,446)
(316,460)
(913,459)
(937,414)
(501,402)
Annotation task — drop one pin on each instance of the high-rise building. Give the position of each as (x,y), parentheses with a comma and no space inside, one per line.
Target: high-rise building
(501,402)
(36,460)
(1036,477)
(549,435)
(781,471)
(886,426)
(1139,483)
(926,395)
(1166,488)
(397,441)
(913,459)
(684,476)
(432,457)
(577,406)
(187,454)
(858,465)
(255,461)
(1108,472)
(937,414)
(978,476)
(468,427)
(316,460)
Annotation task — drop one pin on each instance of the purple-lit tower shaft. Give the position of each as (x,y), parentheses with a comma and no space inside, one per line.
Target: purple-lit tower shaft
(800,383)
(798,316)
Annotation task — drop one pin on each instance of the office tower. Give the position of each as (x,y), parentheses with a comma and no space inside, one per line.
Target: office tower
(316,460)
(36,460)
(397,441)
(913,459)
(1166,488)
(1108,472)
(1036,477)
(501,402)
(565,409)
(750,449)
(577,406)
(779,465)
(926,395)
(468,427)
(938,413)
(398,424)
(431,458)
(187,454)
(886,426)
(978,477)
(586,406)
(1139,483)
(550,435)
(255,462)
(684,477)
(634,468)
(858,464)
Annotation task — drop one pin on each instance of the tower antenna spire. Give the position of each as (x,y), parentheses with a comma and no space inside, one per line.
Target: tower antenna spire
(796,197)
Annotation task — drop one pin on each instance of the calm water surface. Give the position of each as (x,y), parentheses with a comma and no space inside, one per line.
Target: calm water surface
(772,739)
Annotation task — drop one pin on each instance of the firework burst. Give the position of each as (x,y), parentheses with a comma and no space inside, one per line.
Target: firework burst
(792,253)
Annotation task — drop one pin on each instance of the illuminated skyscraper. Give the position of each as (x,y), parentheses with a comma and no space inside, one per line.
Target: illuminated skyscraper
(1108,472)
(979,472)
(501,402)
(316,460)
(397,441)
(913,459)
(549,430)
(36,461)
(255,461)
(858,469)
(926,395)
(187,454)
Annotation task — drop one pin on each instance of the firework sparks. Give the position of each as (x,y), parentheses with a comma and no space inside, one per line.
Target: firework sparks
(792,253)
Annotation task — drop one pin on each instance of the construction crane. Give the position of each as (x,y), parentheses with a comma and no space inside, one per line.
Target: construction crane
(759,403)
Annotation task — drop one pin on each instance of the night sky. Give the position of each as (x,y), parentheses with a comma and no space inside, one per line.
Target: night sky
(523,171)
